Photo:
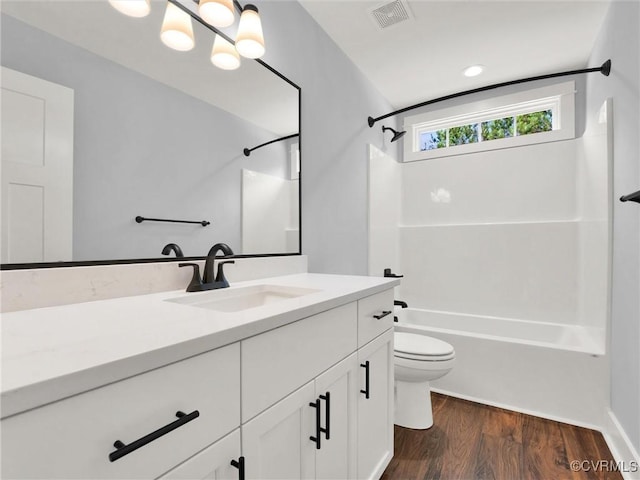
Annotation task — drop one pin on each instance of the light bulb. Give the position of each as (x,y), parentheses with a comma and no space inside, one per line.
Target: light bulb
(250,41)
(218,13)
(177,31)
(224,54)
(132,8)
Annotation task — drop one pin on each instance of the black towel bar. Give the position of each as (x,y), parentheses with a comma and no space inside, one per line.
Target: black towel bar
(140,219)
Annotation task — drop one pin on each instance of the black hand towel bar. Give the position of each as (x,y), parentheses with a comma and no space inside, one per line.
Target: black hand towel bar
(140,219)
(632,197)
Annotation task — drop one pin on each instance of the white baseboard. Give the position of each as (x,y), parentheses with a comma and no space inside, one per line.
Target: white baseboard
(504,406)
(621,447)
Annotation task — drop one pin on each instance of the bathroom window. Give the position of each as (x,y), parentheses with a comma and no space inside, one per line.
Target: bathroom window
(502,122)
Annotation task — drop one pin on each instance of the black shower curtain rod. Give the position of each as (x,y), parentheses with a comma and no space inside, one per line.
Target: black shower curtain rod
(605,69)
(247,151)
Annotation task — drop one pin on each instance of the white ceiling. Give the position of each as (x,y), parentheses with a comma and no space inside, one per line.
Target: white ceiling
(423,58)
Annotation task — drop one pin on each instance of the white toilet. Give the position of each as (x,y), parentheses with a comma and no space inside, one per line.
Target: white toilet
(418,359)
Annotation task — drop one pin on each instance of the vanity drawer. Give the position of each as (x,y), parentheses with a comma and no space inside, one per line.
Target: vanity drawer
(277,362)
(73,438)
(213,462)
(369,327)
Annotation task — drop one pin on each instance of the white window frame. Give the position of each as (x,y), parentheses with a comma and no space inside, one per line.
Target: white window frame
(560,98)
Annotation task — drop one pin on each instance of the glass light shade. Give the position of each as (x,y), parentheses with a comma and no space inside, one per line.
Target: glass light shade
(132,8)
(224,54)
(177,31)
(218,13)
(249,40)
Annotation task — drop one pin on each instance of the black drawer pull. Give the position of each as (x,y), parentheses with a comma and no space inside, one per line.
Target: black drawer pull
(123,449)
(382,315)
(327,415)
(239,464)
(365,365)
(317,438)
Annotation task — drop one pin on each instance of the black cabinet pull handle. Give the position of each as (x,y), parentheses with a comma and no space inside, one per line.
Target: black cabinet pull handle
(365,365)
(327,415)
(239,464)
(316,439)
(382,315)
(123,449)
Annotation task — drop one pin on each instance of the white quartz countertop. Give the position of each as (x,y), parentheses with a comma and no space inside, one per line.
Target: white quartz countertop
(55,352)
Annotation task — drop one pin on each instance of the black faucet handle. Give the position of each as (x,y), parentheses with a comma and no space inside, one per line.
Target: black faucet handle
(389,274)
(220,273)
(196,281)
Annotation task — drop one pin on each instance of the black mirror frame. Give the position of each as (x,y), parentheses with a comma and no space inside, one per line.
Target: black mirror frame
(25,266)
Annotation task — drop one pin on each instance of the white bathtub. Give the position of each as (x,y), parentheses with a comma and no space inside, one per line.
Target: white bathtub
(546,369)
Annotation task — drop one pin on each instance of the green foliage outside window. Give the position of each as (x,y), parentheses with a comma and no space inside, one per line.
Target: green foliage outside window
(496,129)
(499,128)
(433,140)
(534,123)
(463,134)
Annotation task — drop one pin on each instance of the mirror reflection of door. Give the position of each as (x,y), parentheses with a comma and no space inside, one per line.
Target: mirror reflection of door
(37,169)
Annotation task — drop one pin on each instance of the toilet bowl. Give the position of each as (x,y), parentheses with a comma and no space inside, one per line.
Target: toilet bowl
(418,359)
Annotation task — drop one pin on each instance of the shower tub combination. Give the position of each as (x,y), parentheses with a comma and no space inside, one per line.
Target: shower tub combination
(551,370)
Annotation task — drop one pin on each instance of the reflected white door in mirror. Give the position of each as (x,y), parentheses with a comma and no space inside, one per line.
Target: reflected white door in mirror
(37,169)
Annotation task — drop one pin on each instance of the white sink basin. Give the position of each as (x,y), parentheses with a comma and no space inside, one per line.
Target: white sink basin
(244,298)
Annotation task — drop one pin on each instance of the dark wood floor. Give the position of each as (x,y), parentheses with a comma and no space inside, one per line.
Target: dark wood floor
(474,441)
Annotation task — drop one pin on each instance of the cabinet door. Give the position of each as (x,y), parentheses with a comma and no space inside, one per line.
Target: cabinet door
(213,462)
(337,390)
(375,413)
(276,443)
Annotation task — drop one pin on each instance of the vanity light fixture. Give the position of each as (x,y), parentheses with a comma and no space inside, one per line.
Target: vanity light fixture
(224,55)
(132,8)
(177,30)
(473,70)
(396,135)
(250,40)
(219,13)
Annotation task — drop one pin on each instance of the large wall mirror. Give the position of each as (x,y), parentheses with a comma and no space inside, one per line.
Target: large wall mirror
(102,123)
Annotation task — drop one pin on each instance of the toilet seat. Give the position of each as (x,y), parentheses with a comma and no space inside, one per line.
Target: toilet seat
(412,346)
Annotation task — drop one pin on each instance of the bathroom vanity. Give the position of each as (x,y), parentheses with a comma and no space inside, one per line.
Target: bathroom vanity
(288,377)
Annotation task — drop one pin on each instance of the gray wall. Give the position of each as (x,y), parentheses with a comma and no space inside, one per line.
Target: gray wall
(336,101)
(619,40)
(142,148)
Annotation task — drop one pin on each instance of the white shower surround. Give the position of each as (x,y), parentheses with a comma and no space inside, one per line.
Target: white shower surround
(511,248)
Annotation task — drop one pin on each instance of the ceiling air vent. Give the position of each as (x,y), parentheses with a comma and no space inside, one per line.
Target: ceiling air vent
(390,13)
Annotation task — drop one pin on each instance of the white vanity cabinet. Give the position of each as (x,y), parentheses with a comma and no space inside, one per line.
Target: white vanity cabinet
(337,425)
(276,443)
(312,398)
(212,463)
(309,434)
(74,438)
(375,407)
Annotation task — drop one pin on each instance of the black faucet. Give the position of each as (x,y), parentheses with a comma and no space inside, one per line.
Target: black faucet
(172,247)
(207,277)
(208,282)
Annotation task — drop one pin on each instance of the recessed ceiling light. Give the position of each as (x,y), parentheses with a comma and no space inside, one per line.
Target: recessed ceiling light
(473,70)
